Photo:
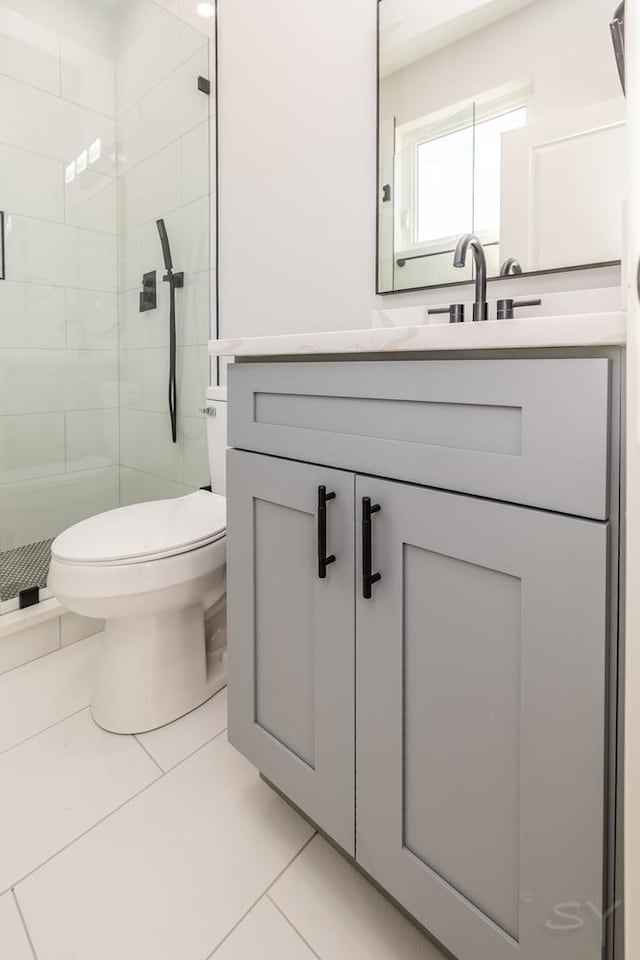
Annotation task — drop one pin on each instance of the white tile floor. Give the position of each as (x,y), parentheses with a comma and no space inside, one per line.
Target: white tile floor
(166,846)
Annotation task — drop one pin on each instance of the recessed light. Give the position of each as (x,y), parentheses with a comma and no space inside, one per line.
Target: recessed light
(206,9)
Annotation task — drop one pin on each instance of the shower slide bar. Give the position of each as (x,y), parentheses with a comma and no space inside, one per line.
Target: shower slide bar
(175,281)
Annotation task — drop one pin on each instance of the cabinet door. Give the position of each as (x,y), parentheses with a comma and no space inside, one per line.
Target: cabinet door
(291,633)
(480,722)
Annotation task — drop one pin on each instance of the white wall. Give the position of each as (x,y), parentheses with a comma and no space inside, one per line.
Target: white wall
(632,652)
(297,115)
(563,47)
(297,140)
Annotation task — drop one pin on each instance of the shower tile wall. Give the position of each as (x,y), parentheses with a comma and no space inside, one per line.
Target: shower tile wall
(164,171)
(58,306)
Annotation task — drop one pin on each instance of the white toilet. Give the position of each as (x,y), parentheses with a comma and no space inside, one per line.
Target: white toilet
(156,573)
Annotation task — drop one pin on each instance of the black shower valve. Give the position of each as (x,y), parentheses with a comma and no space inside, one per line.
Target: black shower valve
(149,294)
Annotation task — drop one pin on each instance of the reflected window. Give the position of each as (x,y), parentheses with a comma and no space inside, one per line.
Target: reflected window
(454,167)
(444,189)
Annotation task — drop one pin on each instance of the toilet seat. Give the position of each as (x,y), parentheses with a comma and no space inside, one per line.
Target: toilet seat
(143,559)
(144,532)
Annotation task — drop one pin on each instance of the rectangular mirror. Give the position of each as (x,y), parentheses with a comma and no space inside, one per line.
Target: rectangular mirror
(503,118)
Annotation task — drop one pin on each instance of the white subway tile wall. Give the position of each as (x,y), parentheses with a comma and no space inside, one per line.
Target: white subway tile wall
(102,131)
(58,336)
(164,132)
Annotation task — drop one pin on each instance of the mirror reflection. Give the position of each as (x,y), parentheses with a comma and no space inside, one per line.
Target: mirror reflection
(502,118)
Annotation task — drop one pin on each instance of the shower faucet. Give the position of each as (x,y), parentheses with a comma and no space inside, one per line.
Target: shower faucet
(175,279)
(469,240)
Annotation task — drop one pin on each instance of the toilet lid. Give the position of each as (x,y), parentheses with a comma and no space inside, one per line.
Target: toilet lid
(145,531)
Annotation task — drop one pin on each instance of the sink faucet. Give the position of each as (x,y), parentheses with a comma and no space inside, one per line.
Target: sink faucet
(511,267)
(480,307)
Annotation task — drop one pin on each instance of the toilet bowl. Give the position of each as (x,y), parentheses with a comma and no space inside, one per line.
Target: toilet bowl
(156,573)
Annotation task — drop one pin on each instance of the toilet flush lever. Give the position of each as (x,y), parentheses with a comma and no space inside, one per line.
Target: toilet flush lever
(208,411)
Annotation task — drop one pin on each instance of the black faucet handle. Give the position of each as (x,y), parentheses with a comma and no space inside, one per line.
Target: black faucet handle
(455,311)
(507,307)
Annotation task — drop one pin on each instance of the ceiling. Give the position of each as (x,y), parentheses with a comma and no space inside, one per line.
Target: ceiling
(412,29)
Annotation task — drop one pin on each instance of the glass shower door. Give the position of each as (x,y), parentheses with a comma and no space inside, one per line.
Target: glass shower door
(103,129)
(165,160)
(58,302)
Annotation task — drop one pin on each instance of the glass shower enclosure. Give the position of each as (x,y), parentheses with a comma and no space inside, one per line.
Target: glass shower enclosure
(106,111)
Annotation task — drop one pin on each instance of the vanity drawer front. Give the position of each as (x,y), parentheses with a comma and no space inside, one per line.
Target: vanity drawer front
(526,431)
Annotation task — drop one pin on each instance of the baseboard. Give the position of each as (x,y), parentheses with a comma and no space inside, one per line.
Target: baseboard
(37,631)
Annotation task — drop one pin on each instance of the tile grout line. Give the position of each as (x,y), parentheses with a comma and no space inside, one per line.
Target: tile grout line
(93,826)
(69,226)
(147,223)
(16,883)
(46,619)
(152,758)
(56,723)
(56,96)
(198,749)
(122,114)
(63,286)
(150,156)
(292,925)
(24,923)
(263,894)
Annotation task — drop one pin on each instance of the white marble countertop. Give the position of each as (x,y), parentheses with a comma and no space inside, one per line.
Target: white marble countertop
(578,330)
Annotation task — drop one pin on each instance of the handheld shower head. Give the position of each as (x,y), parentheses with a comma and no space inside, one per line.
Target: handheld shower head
(617,35)
(166,249)
(175,281)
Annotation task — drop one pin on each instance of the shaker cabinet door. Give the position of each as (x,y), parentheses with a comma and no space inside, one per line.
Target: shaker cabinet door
(291,632)
(480,720)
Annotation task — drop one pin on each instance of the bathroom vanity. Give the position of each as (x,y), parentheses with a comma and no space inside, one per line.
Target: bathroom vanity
(423,592)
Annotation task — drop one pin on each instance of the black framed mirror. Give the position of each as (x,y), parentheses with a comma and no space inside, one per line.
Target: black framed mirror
(503,118)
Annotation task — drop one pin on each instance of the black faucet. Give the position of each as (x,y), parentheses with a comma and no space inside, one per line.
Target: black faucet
(511,266)
(480,307)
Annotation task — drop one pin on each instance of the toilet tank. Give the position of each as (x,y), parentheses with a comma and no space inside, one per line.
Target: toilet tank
(217,438)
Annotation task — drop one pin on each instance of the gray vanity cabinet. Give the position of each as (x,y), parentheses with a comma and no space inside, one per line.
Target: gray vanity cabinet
(437,703)
(480,722)
(291,660)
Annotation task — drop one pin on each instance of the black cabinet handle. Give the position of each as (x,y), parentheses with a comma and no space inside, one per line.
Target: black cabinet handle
(323,559)
(368,578)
